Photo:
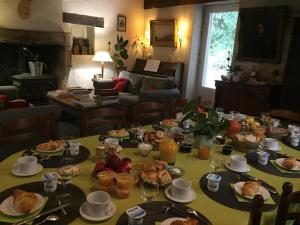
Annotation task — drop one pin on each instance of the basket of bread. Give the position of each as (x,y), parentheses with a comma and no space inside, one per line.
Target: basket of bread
(277,132)
(245,141)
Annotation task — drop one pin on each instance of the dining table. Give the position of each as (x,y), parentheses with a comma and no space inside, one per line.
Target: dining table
(217,213)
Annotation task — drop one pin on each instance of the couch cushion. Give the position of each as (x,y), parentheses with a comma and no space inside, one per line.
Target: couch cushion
(156,83)
(135,83)
(128,99)
(120,83)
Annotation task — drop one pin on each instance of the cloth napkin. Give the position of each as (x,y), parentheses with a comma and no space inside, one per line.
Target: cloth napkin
(239,198)
(282,170)
(10,219)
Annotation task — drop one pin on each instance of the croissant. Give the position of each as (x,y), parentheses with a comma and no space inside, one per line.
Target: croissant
(250,188)
(187,222)
(289,162)
(24,201)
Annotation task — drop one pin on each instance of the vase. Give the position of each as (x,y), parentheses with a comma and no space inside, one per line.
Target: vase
(203,140)
(36,68)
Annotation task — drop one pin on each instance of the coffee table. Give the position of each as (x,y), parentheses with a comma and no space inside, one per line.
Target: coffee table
(66,104)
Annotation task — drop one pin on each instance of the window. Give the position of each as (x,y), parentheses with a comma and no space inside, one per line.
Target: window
(219,34)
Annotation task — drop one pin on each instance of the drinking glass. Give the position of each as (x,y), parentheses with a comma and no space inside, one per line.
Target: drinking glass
(220,139)
(220,112)
(67,159)
(216,161)
(234,115)
(149,192)
(264,116)
(64,180)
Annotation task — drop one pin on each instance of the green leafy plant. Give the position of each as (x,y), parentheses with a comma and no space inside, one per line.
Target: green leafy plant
(206,121)
(31,57)
(121,53)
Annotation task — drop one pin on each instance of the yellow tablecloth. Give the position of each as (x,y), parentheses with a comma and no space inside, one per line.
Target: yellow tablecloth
(195,168)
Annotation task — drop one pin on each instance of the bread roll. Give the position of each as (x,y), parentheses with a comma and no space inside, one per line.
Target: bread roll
(289,162)
(250,188)
(187,222)
(24,201)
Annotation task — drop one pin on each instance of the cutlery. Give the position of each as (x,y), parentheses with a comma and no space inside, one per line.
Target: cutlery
(194,212)
(42,214)
(62,209)
(50,218)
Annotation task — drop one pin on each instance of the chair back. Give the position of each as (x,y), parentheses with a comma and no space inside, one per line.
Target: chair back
(177,106)
(290,116)
(287,198)
(110,117)
(256,212)
(149,112)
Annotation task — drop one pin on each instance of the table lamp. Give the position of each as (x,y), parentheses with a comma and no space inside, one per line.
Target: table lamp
(102,56)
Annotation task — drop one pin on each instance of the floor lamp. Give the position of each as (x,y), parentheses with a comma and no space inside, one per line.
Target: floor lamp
(102,56)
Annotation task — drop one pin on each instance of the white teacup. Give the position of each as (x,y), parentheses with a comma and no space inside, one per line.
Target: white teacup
(181,188)
(238,162)
(26,164)
(98,203)
(271,143)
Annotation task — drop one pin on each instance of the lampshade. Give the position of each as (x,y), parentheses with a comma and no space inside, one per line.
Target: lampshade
(102,56)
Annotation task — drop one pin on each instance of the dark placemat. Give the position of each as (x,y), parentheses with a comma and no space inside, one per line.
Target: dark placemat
(76,198)
(269,168)
(56,161)
(225,195)
(155,213)
(287,142)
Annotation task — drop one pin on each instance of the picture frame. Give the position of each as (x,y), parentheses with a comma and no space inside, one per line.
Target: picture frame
(163,33)
(121,23)
(260,34)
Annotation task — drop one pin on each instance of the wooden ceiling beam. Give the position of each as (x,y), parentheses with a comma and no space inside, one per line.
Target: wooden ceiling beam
(148,4)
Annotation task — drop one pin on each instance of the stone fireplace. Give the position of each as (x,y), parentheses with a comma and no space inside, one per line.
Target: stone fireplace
(54,49)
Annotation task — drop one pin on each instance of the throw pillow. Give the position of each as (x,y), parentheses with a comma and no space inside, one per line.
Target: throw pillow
(119,84)
(18,103)
(3,101)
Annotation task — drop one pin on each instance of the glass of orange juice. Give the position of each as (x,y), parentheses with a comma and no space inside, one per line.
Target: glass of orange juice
(106,179)
(124,184)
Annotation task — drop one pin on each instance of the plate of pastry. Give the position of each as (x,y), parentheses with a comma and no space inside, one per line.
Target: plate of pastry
(249,189)
(122,133)
(289,163)
(22,203)
(50,146)
(179,221)
(169,123)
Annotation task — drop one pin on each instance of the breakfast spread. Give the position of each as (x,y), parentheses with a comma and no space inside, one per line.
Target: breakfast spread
(118,133)
(169,123)
(186,222)
(50,145)
(251,188)
(289,162)
(24,201)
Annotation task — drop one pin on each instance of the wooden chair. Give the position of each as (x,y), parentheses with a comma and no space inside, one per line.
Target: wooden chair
(290,116)
(28,131)
(288,197)
(113,117)
(256,212)
(177,106)
(149,112)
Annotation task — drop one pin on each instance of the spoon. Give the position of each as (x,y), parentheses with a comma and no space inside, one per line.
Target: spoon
(51,218)
(194,212)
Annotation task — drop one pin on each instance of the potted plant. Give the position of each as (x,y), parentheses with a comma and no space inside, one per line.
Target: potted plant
(120,54)
(207,125)
(35,66)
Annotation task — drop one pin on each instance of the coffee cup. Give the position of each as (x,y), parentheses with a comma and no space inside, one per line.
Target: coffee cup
(181,188)
(238,162)
(98,203)
(26,164)
(213,181)
(263,157)
(271,143)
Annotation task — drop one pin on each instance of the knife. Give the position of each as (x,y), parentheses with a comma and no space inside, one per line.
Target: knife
(267,186)
(42,214)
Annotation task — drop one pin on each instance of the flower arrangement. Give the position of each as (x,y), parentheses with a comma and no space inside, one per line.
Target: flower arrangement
(206,120)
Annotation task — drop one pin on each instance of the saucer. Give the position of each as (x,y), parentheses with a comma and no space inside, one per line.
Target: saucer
(227,165)
(191,197)
(100,218)
(15,172)
(274,149)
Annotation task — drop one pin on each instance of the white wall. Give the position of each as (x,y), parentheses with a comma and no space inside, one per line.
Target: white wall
(45,15)
(83,68)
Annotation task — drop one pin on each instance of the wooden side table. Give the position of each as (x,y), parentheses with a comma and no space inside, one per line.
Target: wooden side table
(35,88)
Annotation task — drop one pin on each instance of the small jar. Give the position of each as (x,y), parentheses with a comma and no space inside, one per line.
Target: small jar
(203,152)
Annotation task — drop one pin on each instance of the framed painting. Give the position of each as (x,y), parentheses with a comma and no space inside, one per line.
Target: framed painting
(121,23)
(163,33)
(260,34)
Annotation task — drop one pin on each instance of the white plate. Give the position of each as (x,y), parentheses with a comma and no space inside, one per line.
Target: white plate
(51,151)
(262,191)
(170,220)
(15,172)
(191,197)
(227,165)
(279,162)
(109,214)
(8,207)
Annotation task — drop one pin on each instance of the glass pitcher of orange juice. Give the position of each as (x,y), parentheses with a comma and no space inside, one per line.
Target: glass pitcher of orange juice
(168,150)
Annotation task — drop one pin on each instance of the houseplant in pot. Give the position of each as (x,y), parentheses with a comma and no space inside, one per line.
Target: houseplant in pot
(207,125)
(121,54)
(35,66)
